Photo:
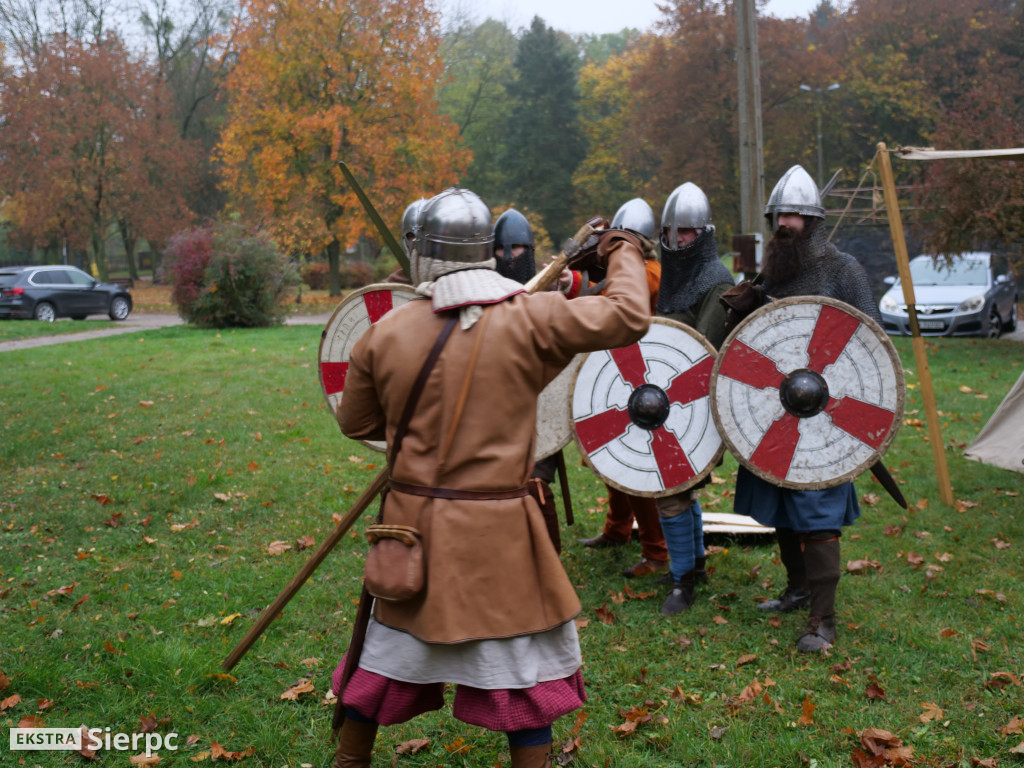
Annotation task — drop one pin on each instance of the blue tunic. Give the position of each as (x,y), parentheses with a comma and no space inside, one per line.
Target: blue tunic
(830,509)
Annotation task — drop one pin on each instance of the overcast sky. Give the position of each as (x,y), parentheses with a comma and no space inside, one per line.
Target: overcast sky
(594,16)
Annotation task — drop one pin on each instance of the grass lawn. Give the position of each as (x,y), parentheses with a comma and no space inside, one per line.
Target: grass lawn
(159,489)
(13,330)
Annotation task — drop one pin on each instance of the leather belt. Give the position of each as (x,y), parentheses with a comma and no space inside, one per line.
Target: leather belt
(453,493)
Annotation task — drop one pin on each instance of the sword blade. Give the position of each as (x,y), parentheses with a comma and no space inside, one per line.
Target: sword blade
(378,222)
(888,482)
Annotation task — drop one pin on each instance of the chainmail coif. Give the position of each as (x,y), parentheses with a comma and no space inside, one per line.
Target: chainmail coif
(689,272)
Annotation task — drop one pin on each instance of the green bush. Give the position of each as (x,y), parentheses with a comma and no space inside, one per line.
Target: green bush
(243,283)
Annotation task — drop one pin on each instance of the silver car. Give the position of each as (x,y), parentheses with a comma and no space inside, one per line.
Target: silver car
(971,294)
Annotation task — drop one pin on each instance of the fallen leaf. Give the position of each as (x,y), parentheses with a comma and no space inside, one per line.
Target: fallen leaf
(1000,543)
(144,759)
(88,754)
(10,701)
(720,620)
(606,616)
(999,680)
(304,542)
(110,648)
(1016,725)
(806,712)
(217,752)
(745,659)
(874,691)
(1018,750)
(931,712)
(103,499)
(459,746)
(278,547)
(31,722)
(412,746)
(149,540)
(870,499)
(200,756)
(43,704)
(859,567)
(65,590)
(4,681)
(948,632)
(301,687)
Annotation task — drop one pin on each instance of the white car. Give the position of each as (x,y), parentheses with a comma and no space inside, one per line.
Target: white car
(959,296)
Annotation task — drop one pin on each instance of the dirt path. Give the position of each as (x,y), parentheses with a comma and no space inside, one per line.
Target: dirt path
(134,324)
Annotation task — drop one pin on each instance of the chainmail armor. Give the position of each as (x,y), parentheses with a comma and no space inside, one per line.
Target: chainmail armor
(690,272)
(831,273)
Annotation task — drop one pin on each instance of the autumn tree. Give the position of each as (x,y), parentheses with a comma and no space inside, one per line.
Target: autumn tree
(545,144)
(343,80)
(85,144)
(193,49)
(478,67)
(616,167)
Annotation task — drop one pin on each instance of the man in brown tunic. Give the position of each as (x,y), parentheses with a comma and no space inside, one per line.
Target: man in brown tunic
(496,615)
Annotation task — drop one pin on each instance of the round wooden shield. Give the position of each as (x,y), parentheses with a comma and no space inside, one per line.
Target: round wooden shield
(641,415)
(554,425)
(357,312)
(807,392)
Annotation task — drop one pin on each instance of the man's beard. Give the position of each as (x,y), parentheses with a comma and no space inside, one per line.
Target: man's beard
(785,256)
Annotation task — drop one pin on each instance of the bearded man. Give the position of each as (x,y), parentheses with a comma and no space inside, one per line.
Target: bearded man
(800,261)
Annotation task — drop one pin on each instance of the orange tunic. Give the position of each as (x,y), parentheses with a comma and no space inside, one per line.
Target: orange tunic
(491,569)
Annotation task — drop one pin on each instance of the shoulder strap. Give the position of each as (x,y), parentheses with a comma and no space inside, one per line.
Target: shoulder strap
(417,387)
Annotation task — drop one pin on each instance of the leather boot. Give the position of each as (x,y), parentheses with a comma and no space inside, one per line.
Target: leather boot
(355,745)
(681,597)
(822,562)
(531,757)
(700,570)
(797,593)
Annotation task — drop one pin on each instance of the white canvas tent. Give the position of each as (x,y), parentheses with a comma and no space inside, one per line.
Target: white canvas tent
(1001,441)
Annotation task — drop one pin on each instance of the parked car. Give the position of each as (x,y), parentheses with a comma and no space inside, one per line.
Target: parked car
(46,293)
(970,294)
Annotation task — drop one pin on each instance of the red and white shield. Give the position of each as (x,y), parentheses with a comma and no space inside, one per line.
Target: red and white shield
(807,392)
(357,312)
(642,414)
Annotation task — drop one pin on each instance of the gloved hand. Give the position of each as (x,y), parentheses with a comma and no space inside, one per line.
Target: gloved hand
(740,300)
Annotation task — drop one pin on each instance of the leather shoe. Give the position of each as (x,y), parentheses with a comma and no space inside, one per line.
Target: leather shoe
(600,541)
(791,599)
(645,568)
(819,634)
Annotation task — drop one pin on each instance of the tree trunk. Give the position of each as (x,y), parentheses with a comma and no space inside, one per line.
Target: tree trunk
(99,254)
(130,244)
(333,249)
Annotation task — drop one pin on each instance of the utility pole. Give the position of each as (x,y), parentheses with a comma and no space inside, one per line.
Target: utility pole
(750,135)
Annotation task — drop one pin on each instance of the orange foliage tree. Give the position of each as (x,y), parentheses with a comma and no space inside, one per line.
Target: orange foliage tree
(315,83)
(87,143)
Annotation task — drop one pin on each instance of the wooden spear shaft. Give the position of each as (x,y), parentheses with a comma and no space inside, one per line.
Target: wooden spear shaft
(540,282)
(924,375)
(272,610)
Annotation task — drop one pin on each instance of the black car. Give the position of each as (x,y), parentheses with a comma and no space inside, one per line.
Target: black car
(46,293)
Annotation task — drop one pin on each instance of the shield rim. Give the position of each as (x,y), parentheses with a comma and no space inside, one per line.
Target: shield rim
(377,445)
(542,452)
(697,478)
(886,344)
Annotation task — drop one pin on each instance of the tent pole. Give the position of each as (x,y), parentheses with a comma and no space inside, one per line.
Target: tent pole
(920,355)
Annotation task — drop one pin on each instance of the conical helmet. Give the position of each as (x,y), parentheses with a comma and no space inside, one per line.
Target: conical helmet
(411,222)
(512,229)
(796,192)
(455,226)
(635,215)
(686,208)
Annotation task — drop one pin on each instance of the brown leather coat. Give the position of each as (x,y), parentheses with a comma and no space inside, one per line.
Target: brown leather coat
(491,569)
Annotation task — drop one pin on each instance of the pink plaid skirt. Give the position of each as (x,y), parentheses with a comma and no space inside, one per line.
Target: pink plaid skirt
(392,701)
